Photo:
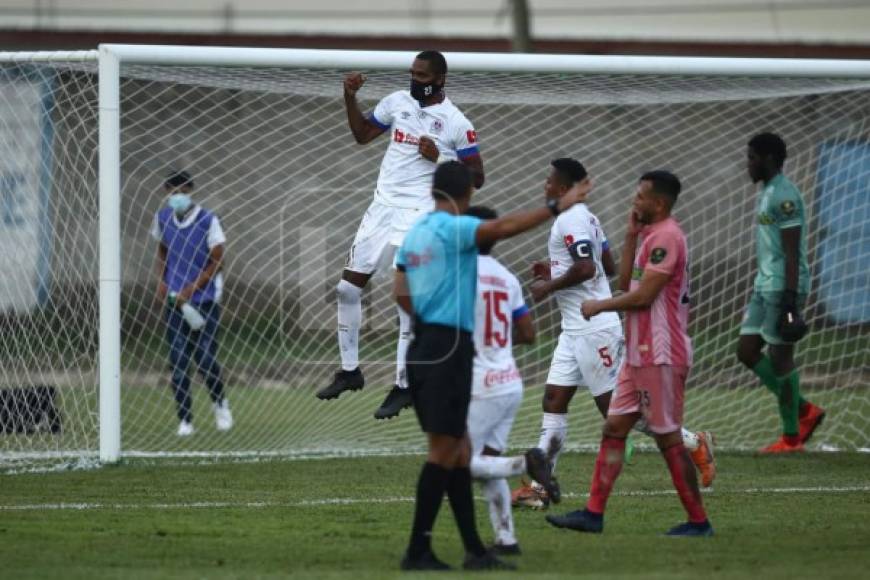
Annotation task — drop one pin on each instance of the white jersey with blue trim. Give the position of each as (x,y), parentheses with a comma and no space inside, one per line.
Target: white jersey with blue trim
(577,234)
(498,304)
(405,179)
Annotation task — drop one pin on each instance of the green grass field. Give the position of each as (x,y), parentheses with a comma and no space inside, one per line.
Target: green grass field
(775,517)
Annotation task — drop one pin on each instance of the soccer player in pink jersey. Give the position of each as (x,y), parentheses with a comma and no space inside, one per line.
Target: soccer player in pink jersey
(653,275)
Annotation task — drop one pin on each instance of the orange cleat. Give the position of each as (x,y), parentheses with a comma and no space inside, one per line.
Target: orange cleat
(810,420)
(782,446)
(703,458)
(530,495)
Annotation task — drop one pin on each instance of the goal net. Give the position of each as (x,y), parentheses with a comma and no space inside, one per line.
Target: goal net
(271,154)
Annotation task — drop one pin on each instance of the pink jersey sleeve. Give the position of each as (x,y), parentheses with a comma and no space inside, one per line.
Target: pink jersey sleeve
(663,251)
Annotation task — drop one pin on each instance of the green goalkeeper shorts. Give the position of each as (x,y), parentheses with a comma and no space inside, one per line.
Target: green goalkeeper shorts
(761,316)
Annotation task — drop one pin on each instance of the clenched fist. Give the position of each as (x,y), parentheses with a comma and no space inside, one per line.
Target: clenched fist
(353,82)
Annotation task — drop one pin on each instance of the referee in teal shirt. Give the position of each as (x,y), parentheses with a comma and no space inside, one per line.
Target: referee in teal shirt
(435,282)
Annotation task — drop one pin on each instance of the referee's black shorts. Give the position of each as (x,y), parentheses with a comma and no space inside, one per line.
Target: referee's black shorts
(440,361)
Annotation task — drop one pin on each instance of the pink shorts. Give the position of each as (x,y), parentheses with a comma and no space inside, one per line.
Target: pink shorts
(655,392)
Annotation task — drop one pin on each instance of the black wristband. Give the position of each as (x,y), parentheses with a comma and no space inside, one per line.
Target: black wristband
(553,206)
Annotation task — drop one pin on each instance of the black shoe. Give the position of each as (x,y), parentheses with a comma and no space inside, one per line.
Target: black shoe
(540,469)
(505,549)
(580,520)
(343,381)
(486,561)
(397,399)
(689,529)
(428,561)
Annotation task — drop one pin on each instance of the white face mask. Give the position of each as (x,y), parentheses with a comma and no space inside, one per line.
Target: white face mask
(180,203)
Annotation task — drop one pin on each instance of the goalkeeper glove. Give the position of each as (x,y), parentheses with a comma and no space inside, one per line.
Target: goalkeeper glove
(791,325)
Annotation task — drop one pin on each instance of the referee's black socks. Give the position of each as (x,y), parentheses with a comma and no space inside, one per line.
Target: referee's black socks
(461,498)
(430,492)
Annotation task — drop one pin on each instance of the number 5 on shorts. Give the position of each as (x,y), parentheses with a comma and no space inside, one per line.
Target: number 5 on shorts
(606,359)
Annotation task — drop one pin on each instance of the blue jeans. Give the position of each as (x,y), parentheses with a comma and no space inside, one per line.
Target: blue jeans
(203,345)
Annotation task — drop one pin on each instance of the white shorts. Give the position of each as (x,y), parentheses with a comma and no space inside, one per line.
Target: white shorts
(490,420)
(381,226)
(588,360)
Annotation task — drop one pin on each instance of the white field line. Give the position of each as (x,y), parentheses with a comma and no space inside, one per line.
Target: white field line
(383,500)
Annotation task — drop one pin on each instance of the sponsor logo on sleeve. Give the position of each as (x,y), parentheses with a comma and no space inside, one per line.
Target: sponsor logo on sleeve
(471,136)
(657,255)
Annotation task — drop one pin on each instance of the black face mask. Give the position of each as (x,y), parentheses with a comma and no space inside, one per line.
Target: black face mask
(421,91)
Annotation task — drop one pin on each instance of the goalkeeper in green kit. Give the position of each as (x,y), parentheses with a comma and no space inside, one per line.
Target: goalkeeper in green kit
(782,283)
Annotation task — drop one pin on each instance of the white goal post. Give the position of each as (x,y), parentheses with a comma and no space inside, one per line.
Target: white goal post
(675,84)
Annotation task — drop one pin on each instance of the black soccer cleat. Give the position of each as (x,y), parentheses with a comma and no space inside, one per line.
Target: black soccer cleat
(486,561)
(506,549)
(428,561)
(540,468)
(343,381)
(580,520)
(397,399)
(692,530)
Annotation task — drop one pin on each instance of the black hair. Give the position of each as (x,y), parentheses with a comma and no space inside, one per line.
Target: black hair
(664,183)
(769,145)
(569,170)
(452,181)
(484,213)
(436,61)
(178,179)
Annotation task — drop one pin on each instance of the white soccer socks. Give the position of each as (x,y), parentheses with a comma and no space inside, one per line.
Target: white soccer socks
(492,467)
(402,348)
(349,322)
(554,429)
(498,497)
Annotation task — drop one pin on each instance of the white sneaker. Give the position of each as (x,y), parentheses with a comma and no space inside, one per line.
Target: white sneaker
(185,429)
(223,417)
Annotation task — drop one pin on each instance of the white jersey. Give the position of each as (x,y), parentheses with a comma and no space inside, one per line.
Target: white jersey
(577,233)
(405,179)
(498,303)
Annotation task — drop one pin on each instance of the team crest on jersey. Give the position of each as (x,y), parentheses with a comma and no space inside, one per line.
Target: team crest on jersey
(765,219)
(657,255)
(787,207)
(436,127)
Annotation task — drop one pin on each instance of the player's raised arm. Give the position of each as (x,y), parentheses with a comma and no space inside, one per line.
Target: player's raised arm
(626,261)
(581,270)
(518,222)
(524,329)
(364,130)
(468,152)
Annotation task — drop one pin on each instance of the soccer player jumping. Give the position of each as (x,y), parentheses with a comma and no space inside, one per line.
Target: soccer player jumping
(654,274)
(781,287)
(425,129)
